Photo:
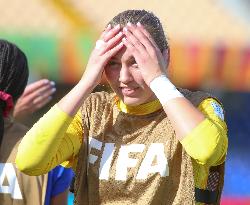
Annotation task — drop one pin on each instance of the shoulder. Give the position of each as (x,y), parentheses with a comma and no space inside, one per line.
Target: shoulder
(99,99)
(14,129)
(13,134)
(196,97)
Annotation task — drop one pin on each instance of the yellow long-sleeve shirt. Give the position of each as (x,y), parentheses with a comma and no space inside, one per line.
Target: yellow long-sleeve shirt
(206,144)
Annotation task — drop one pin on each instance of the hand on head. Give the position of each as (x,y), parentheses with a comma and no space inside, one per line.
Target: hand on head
(148,56)
(35,96)
(108,45)
(151,61)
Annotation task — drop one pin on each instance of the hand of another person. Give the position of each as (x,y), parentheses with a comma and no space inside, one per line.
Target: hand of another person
(107,46)
(34,97)
(151,61)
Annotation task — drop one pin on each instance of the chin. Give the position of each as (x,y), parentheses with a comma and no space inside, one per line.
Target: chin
(133,101)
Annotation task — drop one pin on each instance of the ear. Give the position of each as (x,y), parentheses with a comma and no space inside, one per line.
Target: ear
(165,54)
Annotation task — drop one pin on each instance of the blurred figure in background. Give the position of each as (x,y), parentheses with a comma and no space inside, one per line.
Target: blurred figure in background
(35,96)
(16,187)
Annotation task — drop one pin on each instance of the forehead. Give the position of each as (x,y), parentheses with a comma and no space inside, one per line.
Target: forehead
(123,55)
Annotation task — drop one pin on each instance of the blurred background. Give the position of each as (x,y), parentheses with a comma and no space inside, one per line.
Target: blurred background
(210,50)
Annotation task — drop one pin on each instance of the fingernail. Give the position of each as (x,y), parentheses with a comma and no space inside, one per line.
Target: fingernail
(52,83)
(53,90)
(138,24)
(109,26)
(45,81)
(124,39)
(120,33)
(129,24)
(117,26)
(125,29)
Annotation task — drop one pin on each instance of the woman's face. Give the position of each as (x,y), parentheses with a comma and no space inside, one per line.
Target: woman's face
(126,80)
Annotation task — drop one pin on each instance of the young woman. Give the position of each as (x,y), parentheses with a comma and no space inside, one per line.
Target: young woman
(146,143)
(16,187)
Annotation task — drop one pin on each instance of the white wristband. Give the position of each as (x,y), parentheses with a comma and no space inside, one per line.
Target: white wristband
(164,89)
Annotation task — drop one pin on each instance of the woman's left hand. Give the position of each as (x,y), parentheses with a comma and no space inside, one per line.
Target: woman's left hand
(35,96)
(151,61)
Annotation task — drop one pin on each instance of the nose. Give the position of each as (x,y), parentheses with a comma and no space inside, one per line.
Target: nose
(125,75)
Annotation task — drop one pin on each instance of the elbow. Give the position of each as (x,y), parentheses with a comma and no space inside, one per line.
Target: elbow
(213,152)
(23,167)
(27,168)
(207,144)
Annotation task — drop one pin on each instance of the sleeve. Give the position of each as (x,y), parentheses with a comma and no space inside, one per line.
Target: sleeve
(61,180)
(207,143)
(55,138)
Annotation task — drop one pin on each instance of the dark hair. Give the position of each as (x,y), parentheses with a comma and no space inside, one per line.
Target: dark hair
(151,23)
(13,75)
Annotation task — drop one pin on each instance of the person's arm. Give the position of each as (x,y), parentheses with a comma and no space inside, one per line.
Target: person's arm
(55,138)
(152,64)
(46,144)
(183,115)
(207,143)
(61,180)
(109,46)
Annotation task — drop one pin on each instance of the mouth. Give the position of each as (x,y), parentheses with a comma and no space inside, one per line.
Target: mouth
(127,91)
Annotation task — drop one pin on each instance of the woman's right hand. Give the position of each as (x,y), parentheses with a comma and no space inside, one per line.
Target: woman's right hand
(107,46)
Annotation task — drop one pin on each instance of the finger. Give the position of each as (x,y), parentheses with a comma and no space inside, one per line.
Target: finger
(106,30)
(147,34)
(131,38)
(132,49)
(42,103)
(41,92)
(113,51)
(142,38)
(42,98)
(37,85)
(110,34)
(106,41)
(112,42)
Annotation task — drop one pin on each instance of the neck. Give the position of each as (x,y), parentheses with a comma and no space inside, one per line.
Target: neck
(142,109)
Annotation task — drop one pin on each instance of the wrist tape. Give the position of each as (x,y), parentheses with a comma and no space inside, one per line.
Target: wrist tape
(164,89)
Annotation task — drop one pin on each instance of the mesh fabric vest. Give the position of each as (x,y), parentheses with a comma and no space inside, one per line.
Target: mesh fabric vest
(131,159)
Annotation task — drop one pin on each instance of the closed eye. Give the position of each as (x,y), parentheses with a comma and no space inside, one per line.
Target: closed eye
(134,64)
(113,63)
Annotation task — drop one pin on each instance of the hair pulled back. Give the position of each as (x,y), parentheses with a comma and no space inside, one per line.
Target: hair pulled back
(13,75)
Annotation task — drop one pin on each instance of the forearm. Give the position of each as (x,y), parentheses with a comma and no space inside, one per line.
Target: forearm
(71,103)
(44,146)
(183,115)
(202,130)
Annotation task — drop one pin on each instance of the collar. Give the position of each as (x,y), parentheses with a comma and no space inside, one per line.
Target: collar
(142,109)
